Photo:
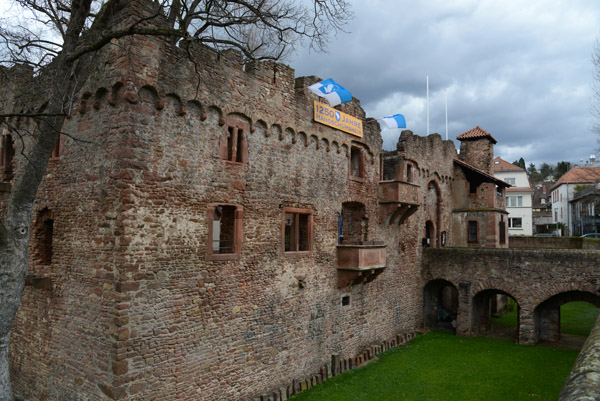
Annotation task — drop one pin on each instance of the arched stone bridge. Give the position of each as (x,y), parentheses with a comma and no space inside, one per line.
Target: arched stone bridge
(539,280)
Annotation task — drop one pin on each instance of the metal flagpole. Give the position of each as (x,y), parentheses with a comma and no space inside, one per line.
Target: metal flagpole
(446,114)
(427,104)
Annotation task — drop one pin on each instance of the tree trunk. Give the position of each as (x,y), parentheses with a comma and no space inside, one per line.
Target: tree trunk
(13,269)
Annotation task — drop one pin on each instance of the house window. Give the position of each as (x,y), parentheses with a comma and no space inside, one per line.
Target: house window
(555,215)
(514,201)
(515,222)
(472,232)
(224,231)
(357,162)
(233,145)
(297,230)
(510,181)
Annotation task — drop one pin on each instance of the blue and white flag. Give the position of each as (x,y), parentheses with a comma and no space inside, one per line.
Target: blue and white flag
(332,91)
(395,121)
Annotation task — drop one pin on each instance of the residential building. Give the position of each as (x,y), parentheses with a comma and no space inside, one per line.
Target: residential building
(563,192)
(585,207)
(542,210)
(518,197)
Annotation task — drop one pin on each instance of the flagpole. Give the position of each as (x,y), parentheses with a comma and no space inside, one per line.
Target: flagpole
(446,114)
(427,104)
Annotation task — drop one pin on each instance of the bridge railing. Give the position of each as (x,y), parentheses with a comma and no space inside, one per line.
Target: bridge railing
(583,382)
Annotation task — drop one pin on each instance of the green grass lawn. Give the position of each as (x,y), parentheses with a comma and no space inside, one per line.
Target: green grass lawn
(440,366)
(576,318)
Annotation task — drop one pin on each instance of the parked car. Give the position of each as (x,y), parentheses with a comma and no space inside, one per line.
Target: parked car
(591,235)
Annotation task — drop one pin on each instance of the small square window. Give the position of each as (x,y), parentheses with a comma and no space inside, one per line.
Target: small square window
(297,230)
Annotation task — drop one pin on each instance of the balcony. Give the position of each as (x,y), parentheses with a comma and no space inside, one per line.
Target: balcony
(398,200)
(360,263)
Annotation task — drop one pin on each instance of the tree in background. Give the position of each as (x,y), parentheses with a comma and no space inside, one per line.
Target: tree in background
(520,163)
(561,169)
(56,41)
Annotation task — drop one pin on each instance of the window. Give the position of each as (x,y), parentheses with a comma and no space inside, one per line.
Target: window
(357,162)
(43,237)
(297,230)
(472,188)
(409,173)
(233,145)
(7,152)
(224,231)
(514,201)
(555,215)
(472,232)
(510,180)
(502,231)
(515,222)
(58,147)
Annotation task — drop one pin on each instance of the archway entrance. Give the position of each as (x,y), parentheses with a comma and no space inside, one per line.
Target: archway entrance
(561,318)
(440,305)
(496,314)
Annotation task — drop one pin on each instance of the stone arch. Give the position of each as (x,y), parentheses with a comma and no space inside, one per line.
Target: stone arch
(355,225)
(215,116)
(100,97)
(486,303)
(302,138)
(325,144)
(259,126)
(440,305)
(148,94)
(335,147)
(288,135)
(433,212)
(173,103)
(275,130)
(195,110)
(115,93)
(313,140)
(83,104)
(547,313)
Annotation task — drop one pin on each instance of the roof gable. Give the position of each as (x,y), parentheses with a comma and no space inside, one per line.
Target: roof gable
(501,165)
(579,175)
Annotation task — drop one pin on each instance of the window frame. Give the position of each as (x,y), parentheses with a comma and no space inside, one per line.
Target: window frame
(511,223)
(310,230)
(472,223)
(238,147)
(237,233)
(361,164)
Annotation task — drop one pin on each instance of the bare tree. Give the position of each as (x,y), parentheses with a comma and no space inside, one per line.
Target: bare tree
(57,40)
(596,89)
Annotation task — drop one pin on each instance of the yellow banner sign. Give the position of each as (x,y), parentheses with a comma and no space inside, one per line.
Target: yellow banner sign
(334,118)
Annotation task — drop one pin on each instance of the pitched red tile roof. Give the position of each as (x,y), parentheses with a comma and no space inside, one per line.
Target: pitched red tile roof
(501,165)
(579,175)
(476,133)
(488,177)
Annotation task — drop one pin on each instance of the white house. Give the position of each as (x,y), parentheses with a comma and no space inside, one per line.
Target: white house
(563,190)
(518,197)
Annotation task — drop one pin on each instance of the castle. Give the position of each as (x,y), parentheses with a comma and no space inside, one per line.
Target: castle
(201,236)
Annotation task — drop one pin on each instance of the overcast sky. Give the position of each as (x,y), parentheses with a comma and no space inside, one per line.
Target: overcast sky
(520,69)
